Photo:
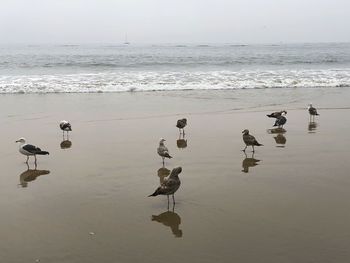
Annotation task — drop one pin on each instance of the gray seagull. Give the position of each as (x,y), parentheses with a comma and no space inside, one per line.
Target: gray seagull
(249,140)
(162,150)
(312,111)
(280,121)
(170,185)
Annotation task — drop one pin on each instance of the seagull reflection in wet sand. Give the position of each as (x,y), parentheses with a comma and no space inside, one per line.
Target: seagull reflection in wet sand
(249,162)
(170,219)
(181,142)
(312,127)
(280,139)
(162,173)
(30,175)
(66,144)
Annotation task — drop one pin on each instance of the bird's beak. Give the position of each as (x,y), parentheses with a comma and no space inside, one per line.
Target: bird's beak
(17,141)
(242,131)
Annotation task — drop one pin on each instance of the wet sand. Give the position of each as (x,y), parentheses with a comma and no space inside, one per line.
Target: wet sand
(88,201)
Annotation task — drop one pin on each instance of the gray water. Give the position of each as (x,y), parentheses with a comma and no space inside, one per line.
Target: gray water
(108,68)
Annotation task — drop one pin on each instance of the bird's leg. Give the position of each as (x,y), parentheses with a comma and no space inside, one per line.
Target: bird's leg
(163,161)
(35,159)
(245,148)
(253,149)
(173,200)
(168,201)
(183,132)
(27,159)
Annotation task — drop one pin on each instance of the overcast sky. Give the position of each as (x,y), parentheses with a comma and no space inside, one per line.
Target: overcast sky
(175,21)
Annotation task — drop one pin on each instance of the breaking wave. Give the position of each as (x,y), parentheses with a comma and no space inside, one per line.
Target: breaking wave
(173,80)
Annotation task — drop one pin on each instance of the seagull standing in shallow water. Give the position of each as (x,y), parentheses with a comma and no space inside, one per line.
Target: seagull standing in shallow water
(170,185)
(280,121)
(181,124)
(163,150)
(312,111)
(29,150)
(249,140)
(65,126)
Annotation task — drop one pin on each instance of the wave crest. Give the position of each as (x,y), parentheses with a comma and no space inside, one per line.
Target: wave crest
(173,80)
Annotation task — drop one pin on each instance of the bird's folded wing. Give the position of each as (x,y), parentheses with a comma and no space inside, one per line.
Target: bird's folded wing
(31,148)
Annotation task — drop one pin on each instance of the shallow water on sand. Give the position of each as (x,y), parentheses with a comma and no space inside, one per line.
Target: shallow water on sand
(287,203)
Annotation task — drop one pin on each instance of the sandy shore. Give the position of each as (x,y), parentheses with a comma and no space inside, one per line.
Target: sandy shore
(88,202)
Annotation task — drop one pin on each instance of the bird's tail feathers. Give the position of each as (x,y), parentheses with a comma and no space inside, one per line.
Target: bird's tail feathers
(167,155)
(42,153)
(156,192)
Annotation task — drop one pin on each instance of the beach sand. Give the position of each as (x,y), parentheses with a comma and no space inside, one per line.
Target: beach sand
(290,204)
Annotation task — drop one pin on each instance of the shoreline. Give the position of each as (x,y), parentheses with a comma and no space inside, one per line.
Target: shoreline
(286,207)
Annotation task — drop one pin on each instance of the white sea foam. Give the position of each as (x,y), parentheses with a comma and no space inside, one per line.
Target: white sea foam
(173,80)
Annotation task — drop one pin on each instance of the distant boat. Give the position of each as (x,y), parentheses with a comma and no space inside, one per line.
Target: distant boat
(126,42)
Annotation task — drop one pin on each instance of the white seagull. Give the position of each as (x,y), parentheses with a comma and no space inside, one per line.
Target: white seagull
(29,150)
(181,124)
(65,126)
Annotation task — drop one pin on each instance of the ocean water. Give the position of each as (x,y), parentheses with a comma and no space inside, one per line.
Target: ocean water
(122,68)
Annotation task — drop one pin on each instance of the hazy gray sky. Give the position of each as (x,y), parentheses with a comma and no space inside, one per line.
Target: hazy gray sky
(175,21)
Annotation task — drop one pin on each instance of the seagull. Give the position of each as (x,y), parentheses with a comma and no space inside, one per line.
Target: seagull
(170,185)
(163,150)
(65,126)
(181,124)
(312,111)
(277,114)
(28,149)
(280,121)
(249,140)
